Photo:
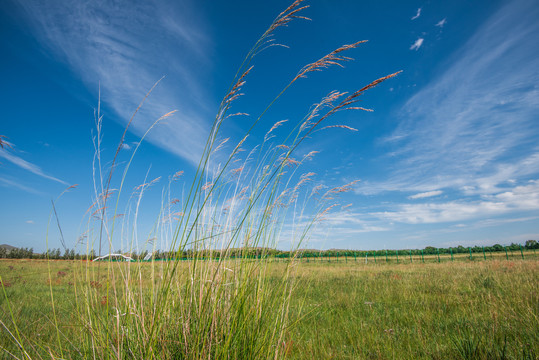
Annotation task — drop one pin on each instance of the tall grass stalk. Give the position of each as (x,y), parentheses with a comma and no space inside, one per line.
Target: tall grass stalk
(213,307)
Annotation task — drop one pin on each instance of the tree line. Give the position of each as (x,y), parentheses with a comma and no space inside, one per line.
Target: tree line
(429,250)
(52,254)
(71,254)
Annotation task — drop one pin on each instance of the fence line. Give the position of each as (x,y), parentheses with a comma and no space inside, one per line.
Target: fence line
(407,256)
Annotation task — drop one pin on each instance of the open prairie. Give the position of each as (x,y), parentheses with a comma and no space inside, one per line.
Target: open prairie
(339,310)
(235,194)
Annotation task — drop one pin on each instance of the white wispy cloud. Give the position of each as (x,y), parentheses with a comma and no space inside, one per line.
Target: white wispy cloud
(417,44)
(418,14)
(491,240)
(474,126)
(125,47)
(34,169)
(29,221)
(426,194)
(16,184)
(520,198)
(466,180)
(498,222)
(348,221)
(333,228)
(441,23)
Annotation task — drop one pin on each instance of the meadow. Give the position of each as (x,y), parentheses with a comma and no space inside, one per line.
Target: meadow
(253,195)
(337,310)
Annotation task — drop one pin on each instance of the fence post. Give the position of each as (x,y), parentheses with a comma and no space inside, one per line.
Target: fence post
(484,256)
(366,257)
(506,256)
(451,250)
(397,256)
(374,253)
(521,252)
(386,255)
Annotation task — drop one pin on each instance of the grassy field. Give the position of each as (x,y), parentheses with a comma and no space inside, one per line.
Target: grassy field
(482,310)
(344,310)
(251,194)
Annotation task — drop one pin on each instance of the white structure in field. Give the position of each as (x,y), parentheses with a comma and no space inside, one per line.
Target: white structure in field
(126,258)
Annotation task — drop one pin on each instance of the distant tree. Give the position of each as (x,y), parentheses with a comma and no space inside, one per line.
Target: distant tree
(497,247)
(514,246)
(69,254)
(15,253)
(430,250)
(531,244)
(54,254)
(91,255)
(477,249)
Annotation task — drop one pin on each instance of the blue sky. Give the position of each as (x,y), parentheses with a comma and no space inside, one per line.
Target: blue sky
(449,156)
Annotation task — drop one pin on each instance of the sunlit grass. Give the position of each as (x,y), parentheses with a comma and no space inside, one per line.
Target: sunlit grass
(418,311)
(473,310)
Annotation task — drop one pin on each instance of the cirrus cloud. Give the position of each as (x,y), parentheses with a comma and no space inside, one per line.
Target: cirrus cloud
(426,194)
(417,44)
